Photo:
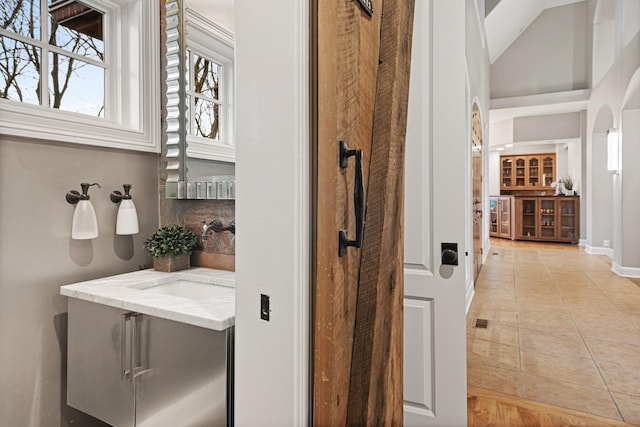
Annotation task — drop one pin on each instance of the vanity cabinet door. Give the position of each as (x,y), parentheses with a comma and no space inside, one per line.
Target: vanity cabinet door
(180,375)
(96,358)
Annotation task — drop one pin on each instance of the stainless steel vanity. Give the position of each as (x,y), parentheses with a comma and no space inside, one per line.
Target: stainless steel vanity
(130,363)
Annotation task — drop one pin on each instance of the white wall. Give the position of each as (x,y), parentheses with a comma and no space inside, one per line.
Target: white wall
(546,127)
(37,256)
(606,204)
(549,56)
(629,257)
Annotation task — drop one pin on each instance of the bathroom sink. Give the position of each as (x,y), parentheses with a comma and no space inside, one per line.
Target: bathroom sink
(190,289)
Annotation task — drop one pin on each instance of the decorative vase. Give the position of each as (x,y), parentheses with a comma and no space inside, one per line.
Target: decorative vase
(170,263)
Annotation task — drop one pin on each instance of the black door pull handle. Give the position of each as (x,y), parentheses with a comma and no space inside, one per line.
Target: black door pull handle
(358,200)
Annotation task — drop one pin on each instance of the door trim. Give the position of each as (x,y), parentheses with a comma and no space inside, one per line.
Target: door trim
(273,251)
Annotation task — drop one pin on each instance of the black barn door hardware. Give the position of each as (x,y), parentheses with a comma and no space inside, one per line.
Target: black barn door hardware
(358,200)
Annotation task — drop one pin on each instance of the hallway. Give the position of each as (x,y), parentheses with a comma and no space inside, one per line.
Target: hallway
(562,330)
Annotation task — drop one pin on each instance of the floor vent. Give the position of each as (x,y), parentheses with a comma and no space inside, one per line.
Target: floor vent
(481,323)
(496,253)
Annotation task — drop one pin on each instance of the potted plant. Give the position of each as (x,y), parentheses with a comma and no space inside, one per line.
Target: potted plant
(568,185)
(171,247)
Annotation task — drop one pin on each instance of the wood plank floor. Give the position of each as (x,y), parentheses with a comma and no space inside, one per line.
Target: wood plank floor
(488,408)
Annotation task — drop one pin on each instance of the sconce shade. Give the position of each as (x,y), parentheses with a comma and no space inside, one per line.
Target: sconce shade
(613,151)
(127,219)
(85,225)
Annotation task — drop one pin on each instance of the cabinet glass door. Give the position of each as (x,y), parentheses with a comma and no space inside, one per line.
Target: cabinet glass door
(529,212)
(493,224)
(547,218)
(507,172)
(548,171)
(568,219)
(521,167)
(505,217)
(533,171)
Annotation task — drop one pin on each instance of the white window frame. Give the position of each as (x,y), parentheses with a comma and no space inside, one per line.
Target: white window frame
(132,87)
(213,42)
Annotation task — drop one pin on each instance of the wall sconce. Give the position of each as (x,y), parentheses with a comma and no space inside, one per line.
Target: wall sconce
(613,151)
(85,225)
(127,219)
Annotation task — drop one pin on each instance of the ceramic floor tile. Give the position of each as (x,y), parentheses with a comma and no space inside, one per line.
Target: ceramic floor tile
(577,326)
(569,395)
(629,407)
(621,378)
(623,353)
(557,323)
(591,323)
(493,354)
(505,333)
(546,342)
(496,379)
(605,333)
(563,367)
(492,315)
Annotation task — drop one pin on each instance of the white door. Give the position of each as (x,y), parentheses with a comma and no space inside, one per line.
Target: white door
(436,207)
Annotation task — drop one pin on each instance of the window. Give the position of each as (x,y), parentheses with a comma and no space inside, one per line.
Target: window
(209,90)
(83,71)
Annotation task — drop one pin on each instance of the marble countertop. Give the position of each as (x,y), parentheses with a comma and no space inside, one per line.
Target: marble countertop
(126,291)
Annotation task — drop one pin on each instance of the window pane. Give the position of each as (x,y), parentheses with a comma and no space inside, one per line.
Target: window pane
(77,28)
(206,119)
(206,77)
(75,85)
(21,17)
(19,71)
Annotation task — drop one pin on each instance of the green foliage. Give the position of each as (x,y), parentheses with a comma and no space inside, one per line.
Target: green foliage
(172,240)
(568,182)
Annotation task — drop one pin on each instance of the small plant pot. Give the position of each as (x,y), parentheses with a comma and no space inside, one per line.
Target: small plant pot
(169,264)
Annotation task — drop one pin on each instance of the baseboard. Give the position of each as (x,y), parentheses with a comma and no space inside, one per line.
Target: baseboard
(487,249)
(582,242)
(469,295)
(625,271)
(594,250)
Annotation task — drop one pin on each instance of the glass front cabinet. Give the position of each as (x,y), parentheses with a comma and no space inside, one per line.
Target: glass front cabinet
(501,224)
(527,172)
(548,218)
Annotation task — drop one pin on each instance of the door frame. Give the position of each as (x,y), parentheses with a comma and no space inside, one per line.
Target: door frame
(272,212)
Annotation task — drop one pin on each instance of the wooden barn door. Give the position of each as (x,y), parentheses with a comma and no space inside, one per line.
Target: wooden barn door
(361,62)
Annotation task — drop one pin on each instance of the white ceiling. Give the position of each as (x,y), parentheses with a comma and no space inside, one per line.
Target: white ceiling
(219,11)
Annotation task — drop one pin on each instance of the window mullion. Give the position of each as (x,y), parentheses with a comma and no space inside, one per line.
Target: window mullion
(44,54)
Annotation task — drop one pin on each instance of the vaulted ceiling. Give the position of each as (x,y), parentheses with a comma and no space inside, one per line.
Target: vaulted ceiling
(506,19)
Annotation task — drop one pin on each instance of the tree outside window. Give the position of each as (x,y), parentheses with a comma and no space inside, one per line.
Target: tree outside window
(55,48)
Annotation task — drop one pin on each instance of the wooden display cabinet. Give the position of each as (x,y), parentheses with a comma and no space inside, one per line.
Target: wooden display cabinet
(549,219)
(527,172)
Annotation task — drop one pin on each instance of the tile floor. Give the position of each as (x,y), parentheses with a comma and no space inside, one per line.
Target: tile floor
(563,329)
